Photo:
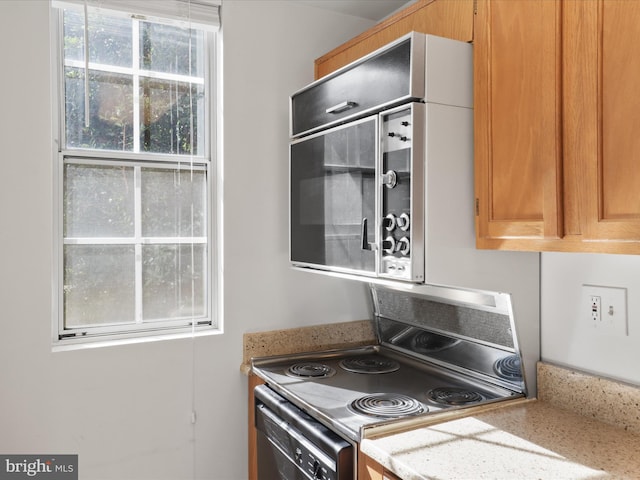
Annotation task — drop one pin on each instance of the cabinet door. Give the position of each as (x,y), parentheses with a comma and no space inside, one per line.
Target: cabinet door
(368,468)
(517,123)
(602,115)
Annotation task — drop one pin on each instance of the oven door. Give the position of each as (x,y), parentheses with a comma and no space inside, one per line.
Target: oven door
(333,198)
(293,446)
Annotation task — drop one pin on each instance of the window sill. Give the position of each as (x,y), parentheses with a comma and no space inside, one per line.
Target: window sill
(83,345)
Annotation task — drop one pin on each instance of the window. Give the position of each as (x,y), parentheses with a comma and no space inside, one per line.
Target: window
(134,172)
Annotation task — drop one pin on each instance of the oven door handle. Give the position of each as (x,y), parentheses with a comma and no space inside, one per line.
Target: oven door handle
(341,107)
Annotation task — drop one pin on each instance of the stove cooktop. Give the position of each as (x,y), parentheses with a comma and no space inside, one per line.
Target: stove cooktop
(453,350)
(352,389)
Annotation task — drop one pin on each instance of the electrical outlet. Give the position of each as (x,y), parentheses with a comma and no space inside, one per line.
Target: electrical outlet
(596,309)
(606,308)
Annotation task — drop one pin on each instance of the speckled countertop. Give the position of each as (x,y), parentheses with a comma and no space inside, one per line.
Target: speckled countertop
(306,339)
(582,427)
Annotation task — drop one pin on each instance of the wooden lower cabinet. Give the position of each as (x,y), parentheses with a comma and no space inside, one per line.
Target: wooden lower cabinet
(445,18)
(556,118)
(369,469)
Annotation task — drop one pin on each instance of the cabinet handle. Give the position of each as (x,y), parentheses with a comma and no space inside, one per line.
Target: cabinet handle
(341,107)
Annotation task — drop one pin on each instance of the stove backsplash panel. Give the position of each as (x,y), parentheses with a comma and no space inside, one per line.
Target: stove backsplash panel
(477,340)
(460,320)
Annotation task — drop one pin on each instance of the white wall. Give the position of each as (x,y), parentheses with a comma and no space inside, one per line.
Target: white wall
(126,410)
(568,337)
(268,48)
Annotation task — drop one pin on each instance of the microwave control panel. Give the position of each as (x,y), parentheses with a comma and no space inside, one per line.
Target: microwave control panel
(398,170)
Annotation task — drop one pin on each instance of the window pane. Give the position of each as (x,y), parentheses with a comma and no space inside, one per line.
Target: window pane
(164,48)
(171,117)
(98,201)
(173,203)
(74,106)
(173,278)
(109,39)
(73,35)
(111,110)
(98,285)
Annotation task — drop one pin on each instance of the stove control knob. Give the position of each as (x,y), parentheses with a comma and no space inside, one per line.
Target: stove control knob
(389,245)
(389,222)
(404,222)
(404,246)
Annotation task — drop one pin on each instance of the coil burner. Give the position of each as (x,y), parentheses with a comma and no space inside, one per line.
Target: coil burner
(509,367)
(454,396)
(369,364)
(310,370)
(386,405)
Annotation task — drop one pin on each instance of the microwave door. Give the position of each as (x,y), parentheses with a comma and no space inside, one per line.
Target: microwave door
(333,189)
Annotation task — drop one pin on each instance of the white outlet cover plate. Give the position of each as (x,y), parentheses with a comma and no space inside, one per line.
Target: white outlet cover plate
(613,315)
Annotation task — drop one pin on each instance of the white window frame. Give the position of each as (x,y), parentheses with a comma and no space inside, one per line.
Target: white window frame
(65,338)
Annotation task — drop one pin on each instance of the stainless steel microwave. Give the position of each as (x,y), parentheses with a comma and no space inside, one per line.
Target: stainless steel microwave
(359,154)
(356,196)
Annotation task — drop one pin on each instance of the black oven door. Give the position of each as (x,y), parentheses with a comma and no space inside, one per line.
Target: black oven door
(293,446)
(332,196)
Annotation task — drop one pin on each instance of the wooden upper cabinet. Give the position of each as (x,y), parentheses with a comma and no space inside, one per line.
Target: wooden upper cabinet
(445,18)
(556,116)
(603,115)
(518,160)
(557,122)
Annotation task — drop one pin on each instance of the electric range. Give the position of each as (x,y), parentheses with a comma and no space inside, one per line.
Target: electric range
(444,350)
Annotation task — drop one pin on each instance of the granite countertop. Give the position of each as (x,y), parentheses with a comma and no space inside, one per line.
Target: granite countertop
(314,338)
(581,427)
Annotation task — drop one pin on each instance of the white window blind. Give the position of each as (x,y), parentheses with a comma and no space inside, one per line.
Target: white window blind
(204,14)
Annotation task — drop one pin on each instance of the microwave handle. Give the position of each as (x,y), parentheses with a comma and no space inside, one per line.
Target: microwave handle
(363,237)
(386,244)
